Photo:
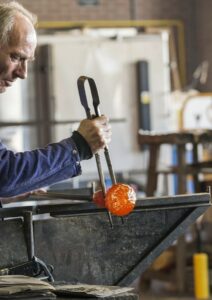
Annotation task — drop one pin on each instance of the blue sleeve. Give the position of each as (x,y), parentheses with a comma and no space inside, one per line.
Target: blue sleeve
(26,171)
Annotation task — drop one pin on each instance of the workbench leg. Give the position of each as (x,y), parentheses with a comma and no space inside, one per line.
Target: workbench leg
(195,161)
(181,161)
(152,175)
(181,264)
(181,244)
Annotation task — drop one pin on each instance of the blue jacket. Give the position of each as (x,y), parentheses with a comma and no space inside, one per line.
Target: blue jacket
(26,171)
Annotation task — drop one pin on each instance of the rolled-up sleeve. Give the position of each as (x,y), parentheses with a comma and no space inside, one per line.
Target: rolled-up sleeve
(26,171)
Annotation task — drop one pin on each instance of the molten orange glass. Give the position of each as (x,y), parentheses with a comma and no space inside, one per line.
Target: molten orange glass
(120,199)
(99,198)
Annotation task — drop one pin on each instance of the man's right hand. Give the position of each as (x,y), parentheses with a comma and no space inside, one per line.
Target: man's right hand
(96,132)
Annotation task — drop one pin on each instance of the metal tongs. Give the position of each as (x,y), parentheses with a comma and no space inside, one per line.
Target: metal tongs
(83,98)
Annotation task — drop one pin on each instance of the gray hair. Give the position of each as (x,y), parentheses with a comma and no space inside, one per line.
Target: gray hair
(8,12)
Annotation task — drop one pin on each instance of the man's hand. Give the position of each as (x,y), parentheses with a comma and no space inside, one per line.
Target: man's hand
(97,132)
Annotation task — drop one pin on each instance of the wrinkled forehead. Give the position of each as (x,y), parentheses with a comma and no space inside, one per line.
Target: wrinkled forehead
(23,32)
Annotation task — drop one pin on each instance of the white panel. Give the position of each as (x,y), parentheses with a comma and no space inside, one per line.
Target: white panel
(112,64)
(11,111)
(11,103)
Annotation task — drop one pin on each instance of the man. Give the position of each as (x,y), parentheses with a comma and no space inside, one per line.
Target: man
(27,171)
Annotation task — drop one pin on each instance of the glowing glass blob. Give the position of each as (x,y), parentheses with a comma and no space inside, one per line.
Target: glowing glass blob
(120,199)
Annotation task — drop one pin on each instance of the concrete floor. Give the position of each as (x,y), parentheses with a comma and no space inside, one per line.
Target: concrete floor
(151,297)
(159,290)
(155,296)
(148,296)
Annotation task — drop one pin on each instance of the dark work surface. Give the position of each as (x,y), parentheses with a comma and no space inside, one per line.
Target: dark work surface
(85,249)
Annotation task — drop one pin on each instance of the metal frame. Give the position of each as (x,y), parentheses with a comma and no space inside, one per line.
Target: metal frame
(135,246)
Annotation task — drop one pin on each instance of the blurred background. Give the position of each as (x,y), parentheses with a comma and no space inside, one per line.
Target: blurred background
(151,61)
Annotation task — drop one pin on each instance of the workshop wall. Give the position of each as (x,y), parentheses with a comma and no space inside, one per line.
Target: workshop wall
(66,10)
(194,14)
(203,35)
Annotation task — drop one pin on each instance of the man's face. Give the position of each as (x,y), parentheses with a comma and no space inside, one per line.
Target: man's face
(15,56)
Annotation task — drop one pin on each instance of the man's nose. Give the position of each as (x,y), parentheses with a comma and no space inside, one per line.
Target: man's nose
(21,70)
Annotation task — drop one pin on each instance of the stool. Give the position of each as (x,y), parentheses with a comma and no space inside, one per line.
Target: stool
(179,140)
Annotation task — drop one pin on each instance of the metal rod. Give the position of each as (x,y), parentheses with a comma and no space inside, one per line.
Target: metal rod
(84,102)
(101,174)
(29,235)
(109,164)
(53,195)
(145,204)
(102,182)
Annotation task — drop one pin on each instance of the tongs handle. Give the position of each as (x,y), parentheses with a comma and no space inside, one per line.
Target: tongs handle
(83,98)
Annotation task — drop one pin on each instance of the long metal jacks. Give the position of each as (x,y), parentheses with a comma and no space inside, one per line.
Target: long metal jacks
(83,98)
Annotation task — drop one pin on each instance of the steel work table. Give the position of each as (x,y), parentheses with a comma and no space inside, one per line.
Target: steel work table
(81,245)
